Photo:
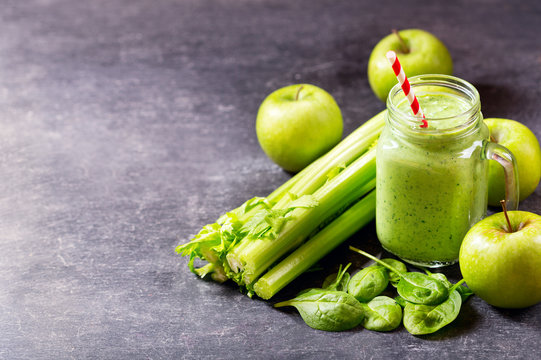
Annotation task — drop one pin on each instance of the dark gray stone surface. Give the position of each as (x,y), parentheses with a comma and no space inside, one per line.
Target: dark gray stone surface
(126,125)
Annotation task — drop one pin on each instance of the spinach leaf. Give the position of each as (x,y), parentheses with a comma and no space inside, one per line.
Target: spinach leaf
(398,265)
(413,286)
(382,314)
(338,281)
(420,288)
(327,310)
(440,277)
(426,319)
(465,292)
(368,283)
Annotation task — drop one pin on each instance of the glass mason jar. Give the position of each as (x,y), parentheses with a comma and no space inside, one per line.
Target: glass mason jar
(432,182)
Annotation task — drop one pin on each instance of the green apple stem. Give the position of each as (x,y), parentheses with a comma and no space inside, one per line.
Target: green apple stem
(298,92)
(405,48)
(504,207)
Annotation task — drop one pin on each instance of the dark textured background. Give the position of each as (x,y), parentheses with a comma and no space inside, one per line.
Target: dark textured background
(126,125)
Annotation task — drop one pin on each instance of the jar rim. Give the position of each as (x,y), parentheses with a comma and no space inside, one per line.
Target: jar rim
(466,89)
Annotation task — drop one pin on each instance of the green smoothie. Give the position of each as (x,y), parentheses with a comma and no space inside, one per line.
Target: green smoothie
(431,183)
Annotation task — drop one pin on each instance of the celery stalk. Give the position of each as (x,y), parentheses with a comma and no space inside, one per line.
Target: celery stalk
(340,191)
(318,246)
(317,173)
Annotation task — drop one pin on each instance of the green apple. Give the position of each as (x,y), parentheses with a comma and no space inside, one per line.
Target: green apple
(503,267)
(297,124)
(418,51)
(524,145)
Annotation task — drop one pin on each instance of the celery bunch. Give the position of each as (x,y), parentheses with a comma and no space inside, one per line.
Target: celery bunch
(266,243)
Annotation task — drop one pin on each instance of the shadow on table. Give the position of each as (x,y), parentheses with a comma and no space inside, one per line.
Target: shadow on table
(521,316)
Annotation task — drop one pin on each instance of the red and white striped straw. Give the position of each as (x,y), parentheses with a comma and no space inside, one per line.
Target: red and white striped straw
(406,88)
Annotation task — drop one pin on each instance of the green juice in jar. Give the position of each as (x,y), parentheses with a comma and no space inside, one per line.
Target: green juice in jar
(431,182)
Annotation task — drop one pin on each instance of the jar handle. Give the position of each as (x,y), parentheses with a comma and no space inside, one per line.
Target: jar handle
(506,159)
